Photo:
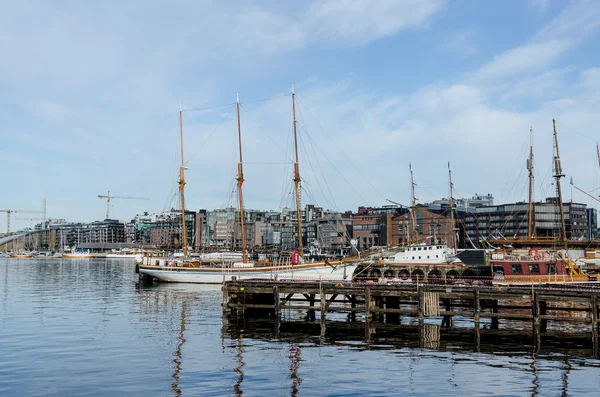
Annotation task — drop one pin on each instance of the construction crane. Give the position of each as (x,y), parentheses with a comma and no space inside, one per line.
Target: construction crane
(108,197)
(8,212)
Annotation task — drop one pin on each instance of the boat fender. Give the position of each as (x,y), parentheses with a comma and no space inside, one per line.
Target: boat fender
(137,269)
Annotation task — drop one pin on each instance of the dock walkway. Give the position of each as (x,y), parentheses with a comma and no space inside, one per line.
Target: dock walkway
(541,310)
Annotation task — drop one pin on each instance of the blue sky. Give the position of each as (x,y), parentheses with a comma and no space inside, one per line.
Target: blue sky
(90,92)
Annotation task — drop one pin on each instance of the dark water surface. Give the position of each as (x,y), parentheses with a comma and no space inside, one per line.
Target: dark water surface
(84,327)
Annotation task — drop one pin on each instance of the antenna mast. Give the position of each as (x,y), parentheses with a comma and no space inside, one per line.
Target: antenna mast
(297,176)
(413,204)
(557,175)
(184,242)
(452,221)
(530,208)
(240,181)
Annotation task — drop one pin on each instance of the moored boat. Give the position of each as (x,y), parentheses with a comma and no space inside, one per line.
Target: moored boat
(185,271)
(125,255)
(77,254)
(21,255)
(534,267)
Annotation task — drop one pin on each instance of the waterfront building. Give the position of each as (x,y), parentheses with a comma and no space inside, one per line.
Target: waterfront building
(510,221)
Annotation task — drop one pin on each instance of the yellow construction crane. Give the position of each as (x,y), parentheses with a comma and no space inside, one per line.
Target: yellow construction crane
(8,212)
(108,197)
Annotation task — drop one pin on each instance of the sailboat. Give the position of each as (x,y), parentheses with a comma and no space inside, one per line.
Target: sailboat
(189,270)
(21,253)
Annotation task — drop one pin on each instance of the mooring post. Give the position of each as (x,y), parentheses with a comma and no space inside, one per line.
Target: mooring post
(476,308)
(353,306)
(225,304)
(476,325)
(495,320)
(594,305)
(420,305)
(277,309)
(323,310)
(368,314)
(535,311)
(276,301)
(311,302)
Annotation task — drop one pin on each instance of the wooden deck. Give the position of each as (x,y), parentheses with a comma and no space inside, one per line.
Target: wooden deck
(540,311)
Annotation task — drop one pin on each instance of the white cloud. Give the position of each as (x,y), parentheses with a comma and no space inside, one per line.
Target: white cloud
(540,6)
(524,59)
(362,21)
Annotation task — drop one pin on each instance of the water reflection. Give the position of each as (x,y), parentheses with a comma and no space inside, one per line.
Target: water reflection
(295,358)
(177,359)
(68,326)
(238,370)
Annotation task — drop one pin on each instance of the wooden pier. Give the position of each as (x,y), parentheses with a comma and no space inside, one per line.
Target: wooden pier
(542,312)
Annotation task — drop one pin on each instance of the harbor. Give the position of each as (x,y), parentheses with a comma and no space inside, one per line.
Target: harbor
(337,198)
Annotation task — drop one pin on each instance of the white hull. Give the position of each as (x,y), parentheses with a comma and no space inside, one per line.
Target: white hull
(217,276)
(76,256)
(136,257)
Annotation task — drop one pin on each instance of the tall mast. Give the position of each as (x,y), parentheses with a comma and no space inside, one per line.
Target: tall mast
(598,151)
(413,204)
(181,185)
(530,208)
(240,181)
(297,176)
(557,175)
(452,221)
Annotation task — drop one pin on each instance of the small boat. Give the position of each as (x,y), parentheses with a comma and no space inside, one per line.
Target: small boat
(123,254)
(77,254)
(21,255)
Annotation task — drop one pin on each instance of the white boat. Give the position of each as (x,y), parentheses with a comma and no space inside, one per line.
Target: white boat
(125,255)
(77,254)
(179,271)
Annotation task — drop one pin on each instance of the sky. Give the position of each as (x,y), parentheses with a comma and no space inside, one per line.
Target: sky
(90,95)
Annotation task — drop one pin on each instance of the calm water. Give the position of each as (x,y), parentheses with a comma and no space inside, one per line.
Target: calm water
(70,328)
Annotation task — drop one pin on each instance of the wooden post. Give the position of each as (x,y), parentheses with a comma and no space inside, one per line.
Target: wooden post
(323,310)
(495,310)
(535,311)
(420,304)
(225,304)
(311,312)
(448,321)
(476,308)
(368,314)
(277,308)
(476,325)
(594,305)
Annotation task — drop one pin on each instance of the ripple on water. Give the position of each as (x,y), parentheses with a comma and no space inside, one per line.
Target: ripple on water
(86,328)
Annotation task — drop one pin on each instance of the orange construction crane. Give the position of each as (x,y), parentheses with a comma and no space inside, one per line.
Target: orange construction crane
(108,197)
(8,212)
